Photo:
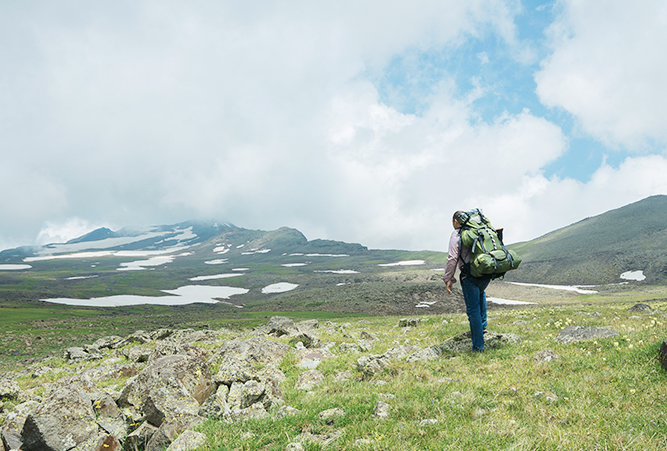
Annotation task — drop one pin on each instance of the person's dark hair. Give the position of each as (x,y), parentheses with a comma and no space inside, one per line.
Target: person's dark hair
(456,215)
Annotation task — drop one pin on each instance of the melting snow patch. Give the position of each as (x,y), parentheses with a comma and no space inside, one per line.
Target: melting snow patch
(405,263)
(184,295)
(507,301)
(241,269)
(425,304)
(292,265)
(215,276)
(80,277)
(557,287)
(14,267)
(141,264)
(327,255)
(279,287)
(633,275)
(339,271)
(256,251)
(219,261)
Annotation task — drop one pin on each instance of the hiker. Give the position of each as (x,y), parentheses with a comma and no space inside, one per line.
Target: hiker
(472,287)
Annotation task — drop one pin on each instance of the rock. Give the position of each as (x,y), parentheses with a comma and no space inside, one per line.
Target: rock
(79,353)
(365,345)
(13,425)
(382,410)
(139,438)
(347,348)
(257,410)
(308,324)
(308,340)
(187,441)
(400,351)
(331,415)
(294,446)
(215,406)
(138,354)
(280,325)
(192,373)
(492,340)
(169,401)
(105,406)
(110,342)
(285,411)
(425,355)
(246,354)
(572,334)
(309,380)
(9,390)
(409,322)
(372,364)
(61,422)
(169,429)
(116,427)
(171,347)
(545,356)
(368,336)
(311,358)
(139,336)
(641,308)
(323,440)
(342,377)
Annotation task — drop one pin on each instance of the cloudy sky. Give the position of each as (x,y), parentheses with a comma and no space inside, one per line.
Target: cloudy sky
(361,121)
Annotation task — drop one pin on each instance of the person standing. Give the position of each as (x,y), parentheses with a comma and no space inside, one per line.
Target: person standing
(472,287)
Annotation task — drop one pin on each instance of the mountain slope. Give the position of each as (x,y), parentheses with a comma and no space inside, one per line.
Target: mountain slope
(599,249)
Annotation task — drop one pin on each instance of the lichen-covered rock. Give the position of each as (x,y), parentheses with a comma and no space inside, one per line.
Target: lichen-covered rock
(492,340)
(168,431)
(309,380)
(13,425)
(425,355)
(545,356)
(61,422)
(139,438)
(80,353)
(9,390)
(192,373)
(187,441)
(573,334)
(169,400)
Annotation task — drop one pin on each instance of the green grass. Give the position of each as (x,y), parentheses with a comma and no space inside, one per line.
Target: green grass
(603,394)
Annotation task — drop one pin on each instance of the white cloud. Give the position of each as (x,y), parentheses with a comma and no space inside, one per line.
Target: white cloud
(608,69)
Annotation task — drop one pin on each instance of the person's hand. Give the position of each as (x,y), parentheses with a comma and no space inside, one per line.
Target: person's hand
(449,284)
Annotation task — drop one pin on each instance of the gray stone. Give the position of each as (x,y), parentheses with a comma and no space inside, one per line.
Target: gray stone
(192,373)
(409,322)
(280,325)
(168,431)
(187,441)
(641,308)
(573,334)
(61,422)
(545,356)
(308,339)
(139,438)
(425,355)
(79,353)
(347,348)
(331,415)
(168,401)
(309,380)
(382,410)
(285,411)
(13,425)
(9,390)
(492,340)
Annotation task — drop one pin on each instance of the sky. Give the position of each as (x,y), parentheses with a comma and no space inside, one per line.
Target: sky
(359,121)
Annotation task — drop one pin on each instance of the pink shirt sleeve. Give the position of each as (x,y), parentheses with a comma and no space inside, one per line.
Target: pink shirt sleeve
(453,256)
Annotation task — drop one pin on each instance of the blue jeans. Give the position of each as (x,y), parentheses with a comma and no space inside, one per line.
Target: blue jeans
(475,299)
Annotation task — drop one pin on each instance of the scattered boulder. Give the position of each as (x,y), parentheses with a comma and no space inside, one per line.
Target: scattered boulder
(545,356)
(573,334)
(492,340)
(187,441)
(641,308)
(61,422)
(280,325)
(9,390)
(172,373)
(139,438)
(14,422)
(425,355)
(309,380)
(331,415)
(80,353)
(409,322)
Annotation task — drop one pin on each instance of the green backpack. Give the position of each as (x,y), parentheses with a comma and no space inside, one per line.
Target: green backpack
(489,256)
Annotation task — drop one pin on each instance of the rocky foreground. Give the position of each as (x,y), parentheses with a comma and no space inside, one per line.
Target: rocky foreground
(148,391)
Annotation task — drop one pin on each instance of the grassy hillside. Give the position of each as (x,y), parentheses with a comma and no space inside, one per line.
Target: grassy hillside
(597,250)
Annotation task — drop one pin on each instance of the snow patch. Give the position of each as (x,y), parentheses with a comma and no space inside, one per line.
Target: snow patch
(14,267)
(575,288)
(633,275)
(189,294)
(280,287)
(215,276)
(405,263)
(339,271)
(140,265)
(293,265)
(219,261)
(507,301)
(80,277)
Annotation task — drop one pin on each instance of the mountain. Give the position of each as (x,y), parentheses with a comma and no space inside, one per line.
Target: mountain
(599,249)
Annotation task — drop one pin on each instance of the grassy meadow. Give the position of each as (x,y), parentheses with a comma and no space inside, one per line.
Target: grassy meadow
(606,394)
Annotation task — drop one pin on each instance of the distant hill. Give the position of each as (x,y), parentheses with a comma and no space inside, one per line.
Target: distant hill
(599,249)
